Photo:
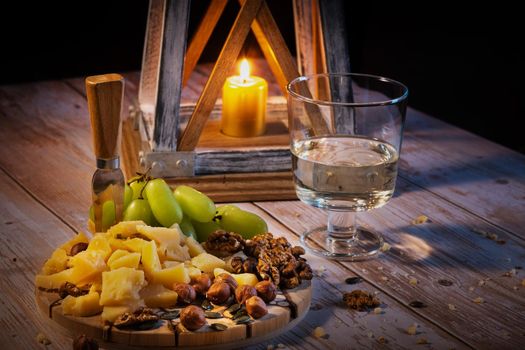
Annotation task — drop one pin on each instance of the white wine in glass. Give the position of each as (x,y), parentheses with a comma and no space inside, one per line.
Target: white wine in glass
(346,132)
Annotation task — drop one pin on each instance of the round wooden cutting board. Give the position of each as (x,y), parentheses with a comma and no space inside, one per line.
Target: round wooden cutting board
(287,310)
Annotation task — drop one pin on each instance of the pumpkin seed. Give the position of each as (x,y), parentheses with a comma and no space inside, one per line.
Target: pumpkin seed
(445,282)
(211,314)
(417,304)
(353,280)
(234,308)
(240,313)
(243,319)
(169,309)
(206,305)
(170,315)
(219,326)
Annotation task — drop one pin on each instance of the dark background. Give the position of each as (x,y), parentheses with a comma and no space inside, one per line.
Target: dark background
(464,66)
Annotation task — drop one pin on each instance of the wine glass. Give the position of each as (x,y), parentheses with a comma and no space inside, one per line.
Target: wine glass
(346,132)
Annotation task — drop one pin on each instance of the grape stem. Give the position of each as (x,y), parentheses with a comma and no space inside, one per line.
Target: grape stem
(141,177)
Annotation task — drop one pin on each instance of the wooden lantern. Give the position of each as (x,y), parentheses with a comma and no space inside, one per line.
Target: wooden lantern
(183,143)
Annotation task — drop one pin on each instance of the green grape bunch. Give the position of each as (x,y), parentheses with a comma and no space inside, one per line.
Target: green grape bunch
(152,201)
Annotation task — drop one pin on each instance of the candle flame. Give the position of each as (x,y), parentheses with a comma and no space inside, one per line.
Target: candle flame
(245,69)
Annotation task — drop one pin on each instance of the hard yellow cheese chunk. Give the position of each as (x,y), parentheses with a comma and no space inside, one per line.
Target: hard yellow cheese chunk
(116,254)
(129,260)
(124,229)
(207,262)
(100,244)
(121,287)
(156,295)
(87,266)
(150,260)
(170,275)
(56,263)
(241,278)
(79,238)
(84,305)
(56,280)
(194,247)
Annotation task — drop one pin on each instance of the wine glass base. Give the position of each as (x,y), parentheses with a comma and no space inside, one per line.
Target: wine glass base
(364,245)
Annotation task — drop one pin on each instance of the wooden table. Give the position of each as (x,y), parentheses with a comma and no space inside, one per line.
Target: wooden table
(471,190)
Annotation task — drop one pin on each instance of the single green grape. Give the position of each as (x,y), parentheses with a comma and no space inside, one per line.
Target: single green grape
(204,229)
(137,184)
(195,204)
(163,203)
(247,224)
(224,208)
(108,215)
(128,195)
(187,228)
(139,209)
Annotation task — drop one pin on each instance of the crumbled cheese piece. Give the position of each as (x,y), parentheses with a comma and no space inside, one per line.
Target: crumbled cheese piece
(471,289)
(380,268)
(319,332)
(384,278)
(320,271)
(481,283)
(413,281)
(493,236)
(382,340)
(479,300)
(385,247)
(370,335)
(378,311)
(43,339)
(422,341)
(297,215)
(280,346)
(452,307)
(515,288)
(412,329)
(421,219)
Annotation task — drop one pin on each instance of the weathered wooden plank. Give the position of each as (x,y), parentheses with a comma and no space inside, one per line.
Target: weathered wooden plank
(227,58)
(165,130)
(149,78)
(337,53)
(45,135)
(481,176)
(25,225)
(351,329)
(201,36)
(304,36)
(446,247)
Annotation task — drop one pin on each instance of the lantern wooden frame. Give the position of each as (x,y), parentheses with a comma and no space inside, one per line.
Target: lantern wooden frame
(226,170)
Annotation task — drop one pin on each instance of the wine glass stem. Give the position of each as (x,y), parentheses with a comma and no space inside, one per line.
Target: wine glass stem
(342,225)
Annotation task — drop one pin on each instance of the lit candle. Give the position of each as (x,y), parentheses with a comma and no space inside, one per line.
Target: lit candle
(244,104)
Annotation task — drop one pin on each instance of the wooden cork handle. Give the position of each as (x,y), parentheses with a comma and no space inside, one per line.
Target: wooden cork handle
(104,96)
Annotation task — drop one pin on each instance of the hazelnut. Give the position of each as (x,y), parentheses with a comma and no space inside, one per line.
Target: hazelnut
(266,290)
(202,283)
(219,292)
(186,293)
(77,248)
(244,292)
(192,317)
(256,307)
(227,278)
